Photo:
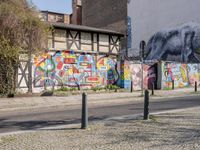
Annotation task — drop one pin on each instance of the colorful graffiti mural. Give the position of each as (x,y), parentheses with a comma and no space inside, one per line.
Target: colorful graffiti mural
(66,68)
(193,73)
(136,76)
(174,72)
(107,68)
(125,75)
(183,75)
(70,69)
(150,77)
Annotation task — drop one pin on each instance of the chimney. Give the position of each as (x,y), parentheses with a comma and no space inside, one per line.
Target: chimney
(66,18)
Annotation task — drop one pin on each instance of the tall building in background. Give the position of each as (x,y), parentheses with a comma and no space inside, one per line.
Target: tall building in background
(76,16)
(106,14)
(50,16)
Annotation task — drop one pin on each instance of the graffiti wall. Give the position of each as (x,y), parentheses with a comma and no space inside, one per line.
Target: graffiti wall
(107,69)
(148,74)
(66,68)
(174,72)
(136,76)
(70,69)
(125,75)
(182,74)
(193,73)
(150,77)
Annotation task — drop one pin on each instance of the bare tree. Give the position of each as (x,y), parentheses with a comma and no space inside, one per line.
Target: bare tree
(20,31)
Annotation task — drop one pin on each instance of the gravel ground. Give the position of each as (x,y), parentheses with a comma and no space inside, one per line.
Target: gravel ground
(169,131)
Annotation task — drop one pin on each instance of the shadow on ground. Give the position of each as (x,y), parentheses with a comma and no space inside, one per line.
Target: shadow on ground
(9,126)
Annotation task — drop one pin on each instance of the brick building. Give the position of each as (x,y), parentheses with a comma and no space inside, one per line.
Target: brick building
(76,16)
(106,14)
(50,16)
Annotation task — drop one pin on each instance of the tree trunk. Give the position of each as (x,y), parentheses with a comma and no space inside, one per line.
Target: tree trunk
(30,89)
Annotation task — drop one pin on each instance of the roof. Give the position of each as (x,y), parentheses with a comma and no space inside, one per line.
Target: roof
(84,28)
(52,12)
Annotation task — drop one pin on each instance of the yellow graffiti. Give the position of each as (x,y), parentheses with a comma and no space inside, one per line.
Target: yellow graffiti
(184,74)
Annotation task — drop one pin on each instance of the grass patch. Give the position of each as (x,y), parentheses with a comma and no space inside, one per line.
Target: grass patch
(65,89)
(7,139)
(153,118)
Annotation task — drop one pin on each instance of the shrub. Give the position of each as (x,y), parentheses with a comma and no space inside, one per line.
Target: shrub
(63,89)
(73,89)
(97,88)
(112,87)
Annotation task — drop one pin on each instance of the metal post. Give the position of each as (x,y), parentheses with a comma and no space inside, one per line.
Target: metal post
(172,84)
(142,48)
(84,120)
(131,86)
(152,90)
(146,105)
(195,86)
(142,86)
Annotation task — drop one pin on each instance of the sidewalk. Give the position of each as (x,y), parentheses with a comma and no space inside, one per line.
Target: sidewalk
(22,103)
(167,131)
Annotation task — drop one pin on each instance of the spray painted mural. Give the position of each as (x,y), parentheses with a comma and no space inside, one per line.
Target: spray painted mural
(182,74)
(149,76)
(125,75)
(136,76)
(181,44)
(107,68)
(193,73)
(70,69)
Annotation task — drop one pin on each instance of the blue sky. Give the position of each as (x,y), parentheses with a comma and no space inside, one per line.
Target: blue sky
(61,6)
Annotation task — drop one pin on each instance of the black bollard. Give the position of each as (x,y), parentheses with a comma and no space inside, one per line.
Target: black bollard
(84,120)
(131,86)
(146,105)
(195,86)
(172,84)
(152,90)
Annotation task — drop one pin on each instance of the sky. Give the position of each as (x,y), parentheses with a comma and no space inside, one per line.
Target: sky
(61,6)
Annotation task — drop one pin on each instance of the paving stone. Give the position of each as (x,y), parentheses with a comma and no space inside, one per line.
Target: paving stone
(169,131)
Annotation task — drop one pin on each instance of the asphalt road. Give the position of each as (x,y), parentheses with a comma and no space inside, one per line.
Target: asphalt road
(26,120)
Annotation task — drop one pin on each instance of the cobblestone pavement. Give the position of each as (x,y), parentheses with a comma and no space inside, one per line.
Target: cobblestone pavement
(168,131)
